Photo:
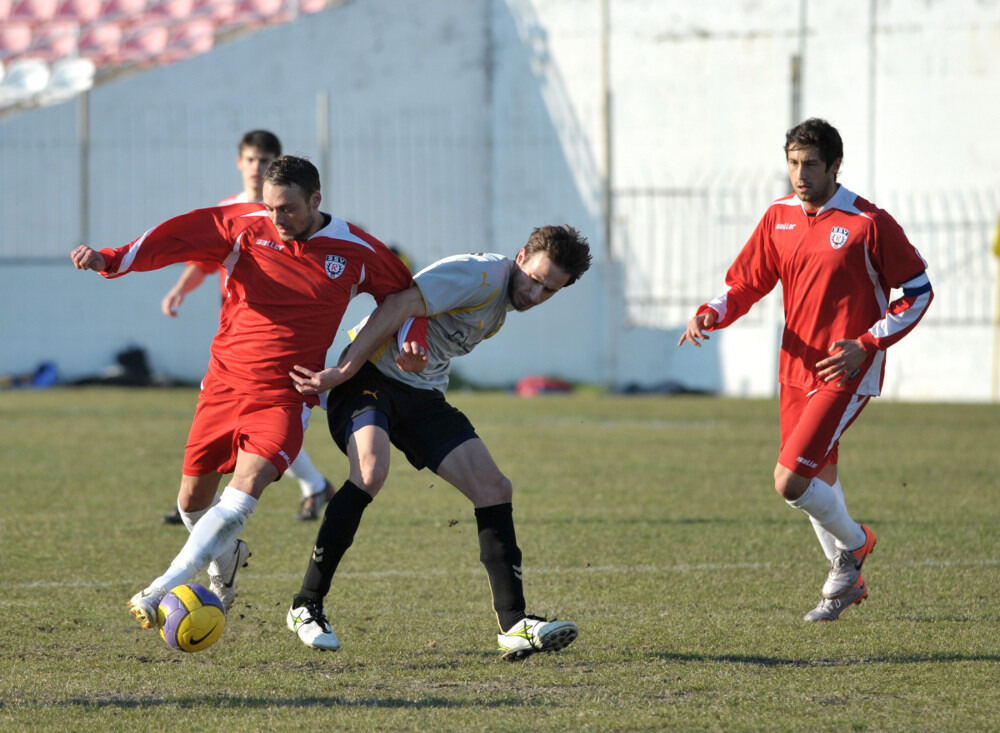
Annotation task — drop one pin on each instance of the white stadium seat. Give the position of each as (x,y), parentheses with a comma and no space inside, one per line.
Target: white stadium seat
(70,76)
(25,78)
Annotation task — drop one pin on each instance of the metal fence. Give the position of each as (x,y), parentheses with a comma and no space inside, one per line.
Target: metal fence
(676,244)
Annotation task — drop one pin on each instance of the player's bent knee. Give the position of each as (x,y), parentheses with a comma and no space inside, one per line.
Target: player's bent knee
(499,491)
(373,476)
(789,485)
(197,492)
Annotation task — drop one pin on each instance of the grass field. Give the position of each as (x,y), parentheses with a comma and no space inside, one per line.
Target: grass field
(649,521)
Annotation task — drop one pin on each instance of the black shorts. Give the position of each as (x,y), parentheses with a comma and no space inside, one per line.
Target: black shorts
(420,422)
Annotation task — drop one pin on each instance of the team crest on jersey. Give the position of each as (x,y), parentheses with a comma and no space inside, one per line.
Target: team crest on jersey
(838,237)
(335,266)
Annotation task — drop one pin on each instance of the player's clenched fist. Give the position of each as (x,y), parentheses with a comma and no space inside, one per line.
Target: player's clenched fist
(85,258)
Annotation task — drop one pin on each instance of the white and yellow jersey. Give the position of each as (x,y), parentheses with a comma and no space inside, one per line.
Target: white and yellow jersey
(467,301)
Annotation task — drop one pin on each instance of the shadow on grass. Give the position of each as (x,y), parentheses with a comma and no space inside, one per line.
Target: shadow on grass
(762,661)
(238,703)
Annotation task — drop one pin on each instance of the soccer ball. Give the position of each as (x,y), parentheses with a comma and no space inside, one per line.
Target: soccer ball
(191,618)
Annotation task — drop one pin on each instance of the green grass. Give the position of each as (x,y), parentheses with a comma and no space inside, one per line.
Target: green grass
(649,521)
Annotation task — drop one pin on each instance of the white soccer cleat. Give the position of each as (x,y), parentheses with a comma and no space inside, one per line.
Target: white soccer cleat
(533,634)
(223,580)
(846,569)
(143,606)
(310,625)
(829,609)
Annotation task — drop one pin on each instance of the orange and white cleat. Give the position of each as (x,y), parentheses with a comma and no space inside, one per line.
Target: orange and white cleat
(829,609)
(846,570)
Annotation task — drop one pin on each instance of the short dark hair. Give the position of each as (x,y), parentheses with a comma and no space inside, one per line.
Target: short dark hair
(565,246)
(289,170)
(819,134)
(263,140)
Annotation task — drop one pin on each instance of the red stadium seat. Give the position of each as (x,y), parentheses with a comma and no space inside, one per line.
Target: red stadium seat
(53,41)
(122,9)
(143,42)
(101,43)
(189,38)
(173,9)
(260,12)
(312,6)
(34,11)
(82,11)
(219,11)
(15,38)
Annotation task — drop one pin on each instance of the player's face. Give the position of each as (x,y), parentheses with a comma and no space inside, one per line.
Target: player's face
(294,215)
(252,164)
(534,280)
(812,182)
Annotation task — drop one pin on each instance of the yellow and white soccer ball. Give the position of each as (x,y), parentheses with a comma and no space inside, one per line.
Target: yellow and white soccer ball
(191,618)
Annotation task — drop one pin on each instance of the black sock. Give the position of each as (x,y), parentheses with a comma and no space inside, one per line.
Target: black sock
(500,554)
(336,533)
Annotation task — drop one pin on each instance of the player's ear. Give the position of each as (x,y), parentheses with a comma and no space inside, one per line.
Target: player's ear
(315,199)
(520,257)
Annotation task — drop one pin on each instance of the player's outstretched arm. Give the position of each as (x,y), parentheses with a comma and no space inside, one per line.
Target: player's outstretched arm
(307,381)
(85,258)
(697,328)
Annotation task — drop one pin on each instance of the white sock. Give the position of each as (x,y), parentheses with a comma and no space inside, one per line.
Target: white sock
(191,518)
(826,540)
(825,508)
(311,481)
(216,532)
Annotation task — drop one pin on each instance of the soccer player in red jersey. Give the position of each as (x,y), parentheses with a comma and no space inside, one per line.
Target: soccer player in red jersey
(837,257)
(291,270)
(257,149)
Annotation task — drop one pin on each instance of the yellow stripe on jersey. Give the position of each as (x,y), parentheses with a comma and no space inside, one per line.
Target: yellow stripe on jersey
(353,334)
(477,306)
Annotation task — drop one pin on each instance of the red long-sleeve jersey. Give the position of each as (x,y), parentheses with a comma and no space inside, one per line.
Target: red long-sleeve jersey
(285,300)
(836,268)
(209,267)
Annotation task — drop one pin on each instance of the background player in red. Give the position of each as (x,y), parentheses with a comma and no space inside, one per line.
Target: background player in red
(837,257)
(291,271)
(257,149)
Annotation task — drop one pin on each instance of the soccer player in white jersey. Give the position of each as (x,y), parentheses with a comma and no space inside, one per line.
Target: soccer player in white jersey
(837,257)
(256,151)
(466,298)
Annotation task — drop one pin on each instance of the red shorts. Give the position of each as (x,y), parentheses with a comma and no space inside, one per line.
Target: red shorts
(225,424)
(811,426)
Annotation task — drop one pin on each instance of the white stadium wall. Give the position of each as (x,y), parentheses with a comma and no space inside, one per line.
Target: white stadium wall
(447,126)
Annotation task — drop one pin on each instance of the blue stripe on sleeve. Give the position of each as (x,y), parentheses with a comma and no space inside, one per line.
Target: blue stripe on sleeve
(920,290)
